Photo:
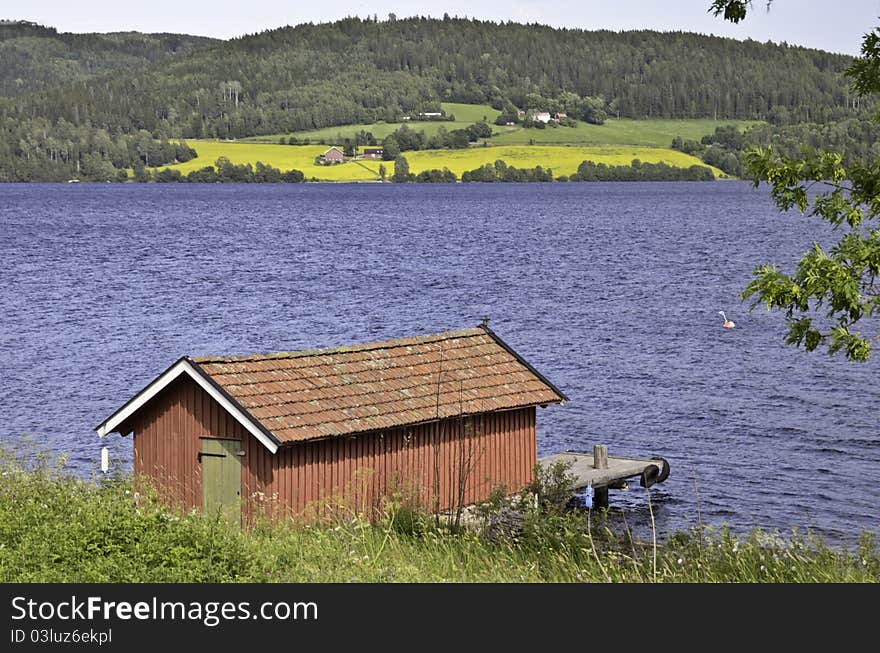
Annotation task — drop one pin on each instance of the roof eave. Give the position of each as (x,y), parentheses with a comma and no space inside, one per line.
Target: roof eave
(562,396)
(185,365)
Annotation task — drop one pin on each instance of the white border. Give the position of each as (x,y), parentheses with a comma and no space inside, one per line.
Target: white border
(183,366)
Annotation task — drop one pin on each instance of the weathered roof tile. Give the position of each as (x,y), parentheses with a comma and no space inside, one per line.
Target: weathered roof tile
(322,393)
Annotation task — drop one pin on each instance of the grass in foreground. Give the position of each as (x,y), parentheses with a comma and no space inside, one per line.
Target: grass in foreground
(57,528)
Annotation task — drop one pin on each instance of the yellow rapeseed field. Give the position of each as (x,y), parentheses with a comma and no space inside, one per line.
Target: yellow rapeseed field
(562,160)
(283,157)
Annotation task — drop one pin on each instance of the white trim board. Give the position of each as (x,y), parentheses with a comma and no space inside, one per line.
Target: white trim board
(184,366)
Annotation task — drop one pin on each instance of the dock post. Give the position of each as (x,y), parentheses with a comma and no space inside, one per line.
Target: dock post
(600,461)
(600,456)
(600,496)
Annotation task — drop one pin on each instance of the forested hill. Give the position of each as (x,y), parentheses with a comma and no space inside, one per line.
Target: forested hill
(35,57)
(355,70)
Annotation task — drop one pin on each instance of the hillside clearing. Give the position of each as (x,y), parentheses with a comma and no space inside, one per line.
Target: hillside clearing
(465,116)
(623,131)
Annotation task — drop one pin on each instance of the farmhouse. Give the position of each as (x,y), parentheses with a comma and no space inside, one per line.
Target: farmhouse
(444,418)
(373,152)
(542,116)
(333,155)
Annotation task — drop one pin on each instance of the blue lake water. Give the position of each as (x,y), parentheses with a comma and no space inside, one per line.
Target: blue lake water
(610,290)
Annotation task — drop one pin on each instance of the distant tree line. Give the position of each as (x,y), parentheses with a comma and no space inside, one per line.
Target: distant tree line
(857,140)
(224,171)
(38,150)
(361,71)
(638,171)
(365,70)
(500,171)
(436,176)
(405,139)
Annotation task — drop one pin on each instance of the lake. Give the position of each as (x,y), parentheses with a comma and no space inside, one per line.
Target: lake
(611,290)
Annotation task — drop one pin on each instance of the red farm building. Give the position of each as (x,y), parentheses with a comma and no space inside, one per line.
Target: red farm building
(333,155)
(444,418)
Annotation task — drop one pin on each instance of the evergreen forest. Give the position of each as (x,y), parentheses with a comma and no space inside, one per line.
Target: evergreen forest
(94,105)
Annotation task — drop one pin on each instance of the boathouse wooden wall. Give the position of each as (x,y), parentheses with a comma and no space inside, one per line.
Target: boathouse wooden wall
(167,439)
(351,472)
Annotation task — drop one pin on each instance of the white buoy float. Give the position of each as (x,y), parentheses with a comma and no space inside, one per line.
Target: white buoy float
(728,324)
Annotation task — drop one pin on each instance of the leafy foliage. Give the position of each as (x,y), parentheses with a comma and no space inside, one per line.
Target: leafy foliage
(224,171)
(436,176)
(840,281)
(401,170)
(638,171)
(37,150)
(732,10)
(500,171)
(855,139)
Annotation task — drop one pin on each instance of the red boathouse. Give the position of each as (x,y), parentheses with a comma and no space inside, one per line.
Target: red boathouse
(445,417)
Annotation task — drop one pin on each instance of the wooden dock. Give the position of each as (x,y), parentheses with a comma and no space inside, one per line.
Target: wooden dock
(601,471)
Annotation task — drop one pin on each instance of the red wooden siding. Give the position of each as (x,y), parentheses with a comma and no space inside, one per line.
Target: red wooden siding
(353,472)
(167,434)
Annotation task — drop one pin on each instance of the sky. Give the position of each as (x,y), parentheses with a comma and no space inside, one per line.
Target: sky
(834,25)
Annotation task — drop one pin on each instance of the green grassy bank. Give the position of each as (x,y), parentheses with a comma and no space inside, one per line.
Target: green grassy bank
(57,528)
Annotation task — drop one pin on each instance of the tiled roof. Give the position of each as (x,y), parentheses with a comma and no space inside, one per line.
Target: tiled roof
(320,393)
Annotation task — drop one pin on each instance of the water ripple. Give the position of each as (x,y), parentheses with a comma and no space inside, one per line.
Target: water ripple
(610,289)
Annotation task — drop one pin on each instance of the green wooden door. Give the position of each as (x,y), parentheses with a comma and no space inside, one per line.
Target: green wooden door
(221,479)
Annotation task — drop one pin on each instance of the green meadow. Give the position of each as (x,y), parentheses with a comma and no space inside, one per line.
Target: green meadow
(465,116)
(615,131)
(623,131)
